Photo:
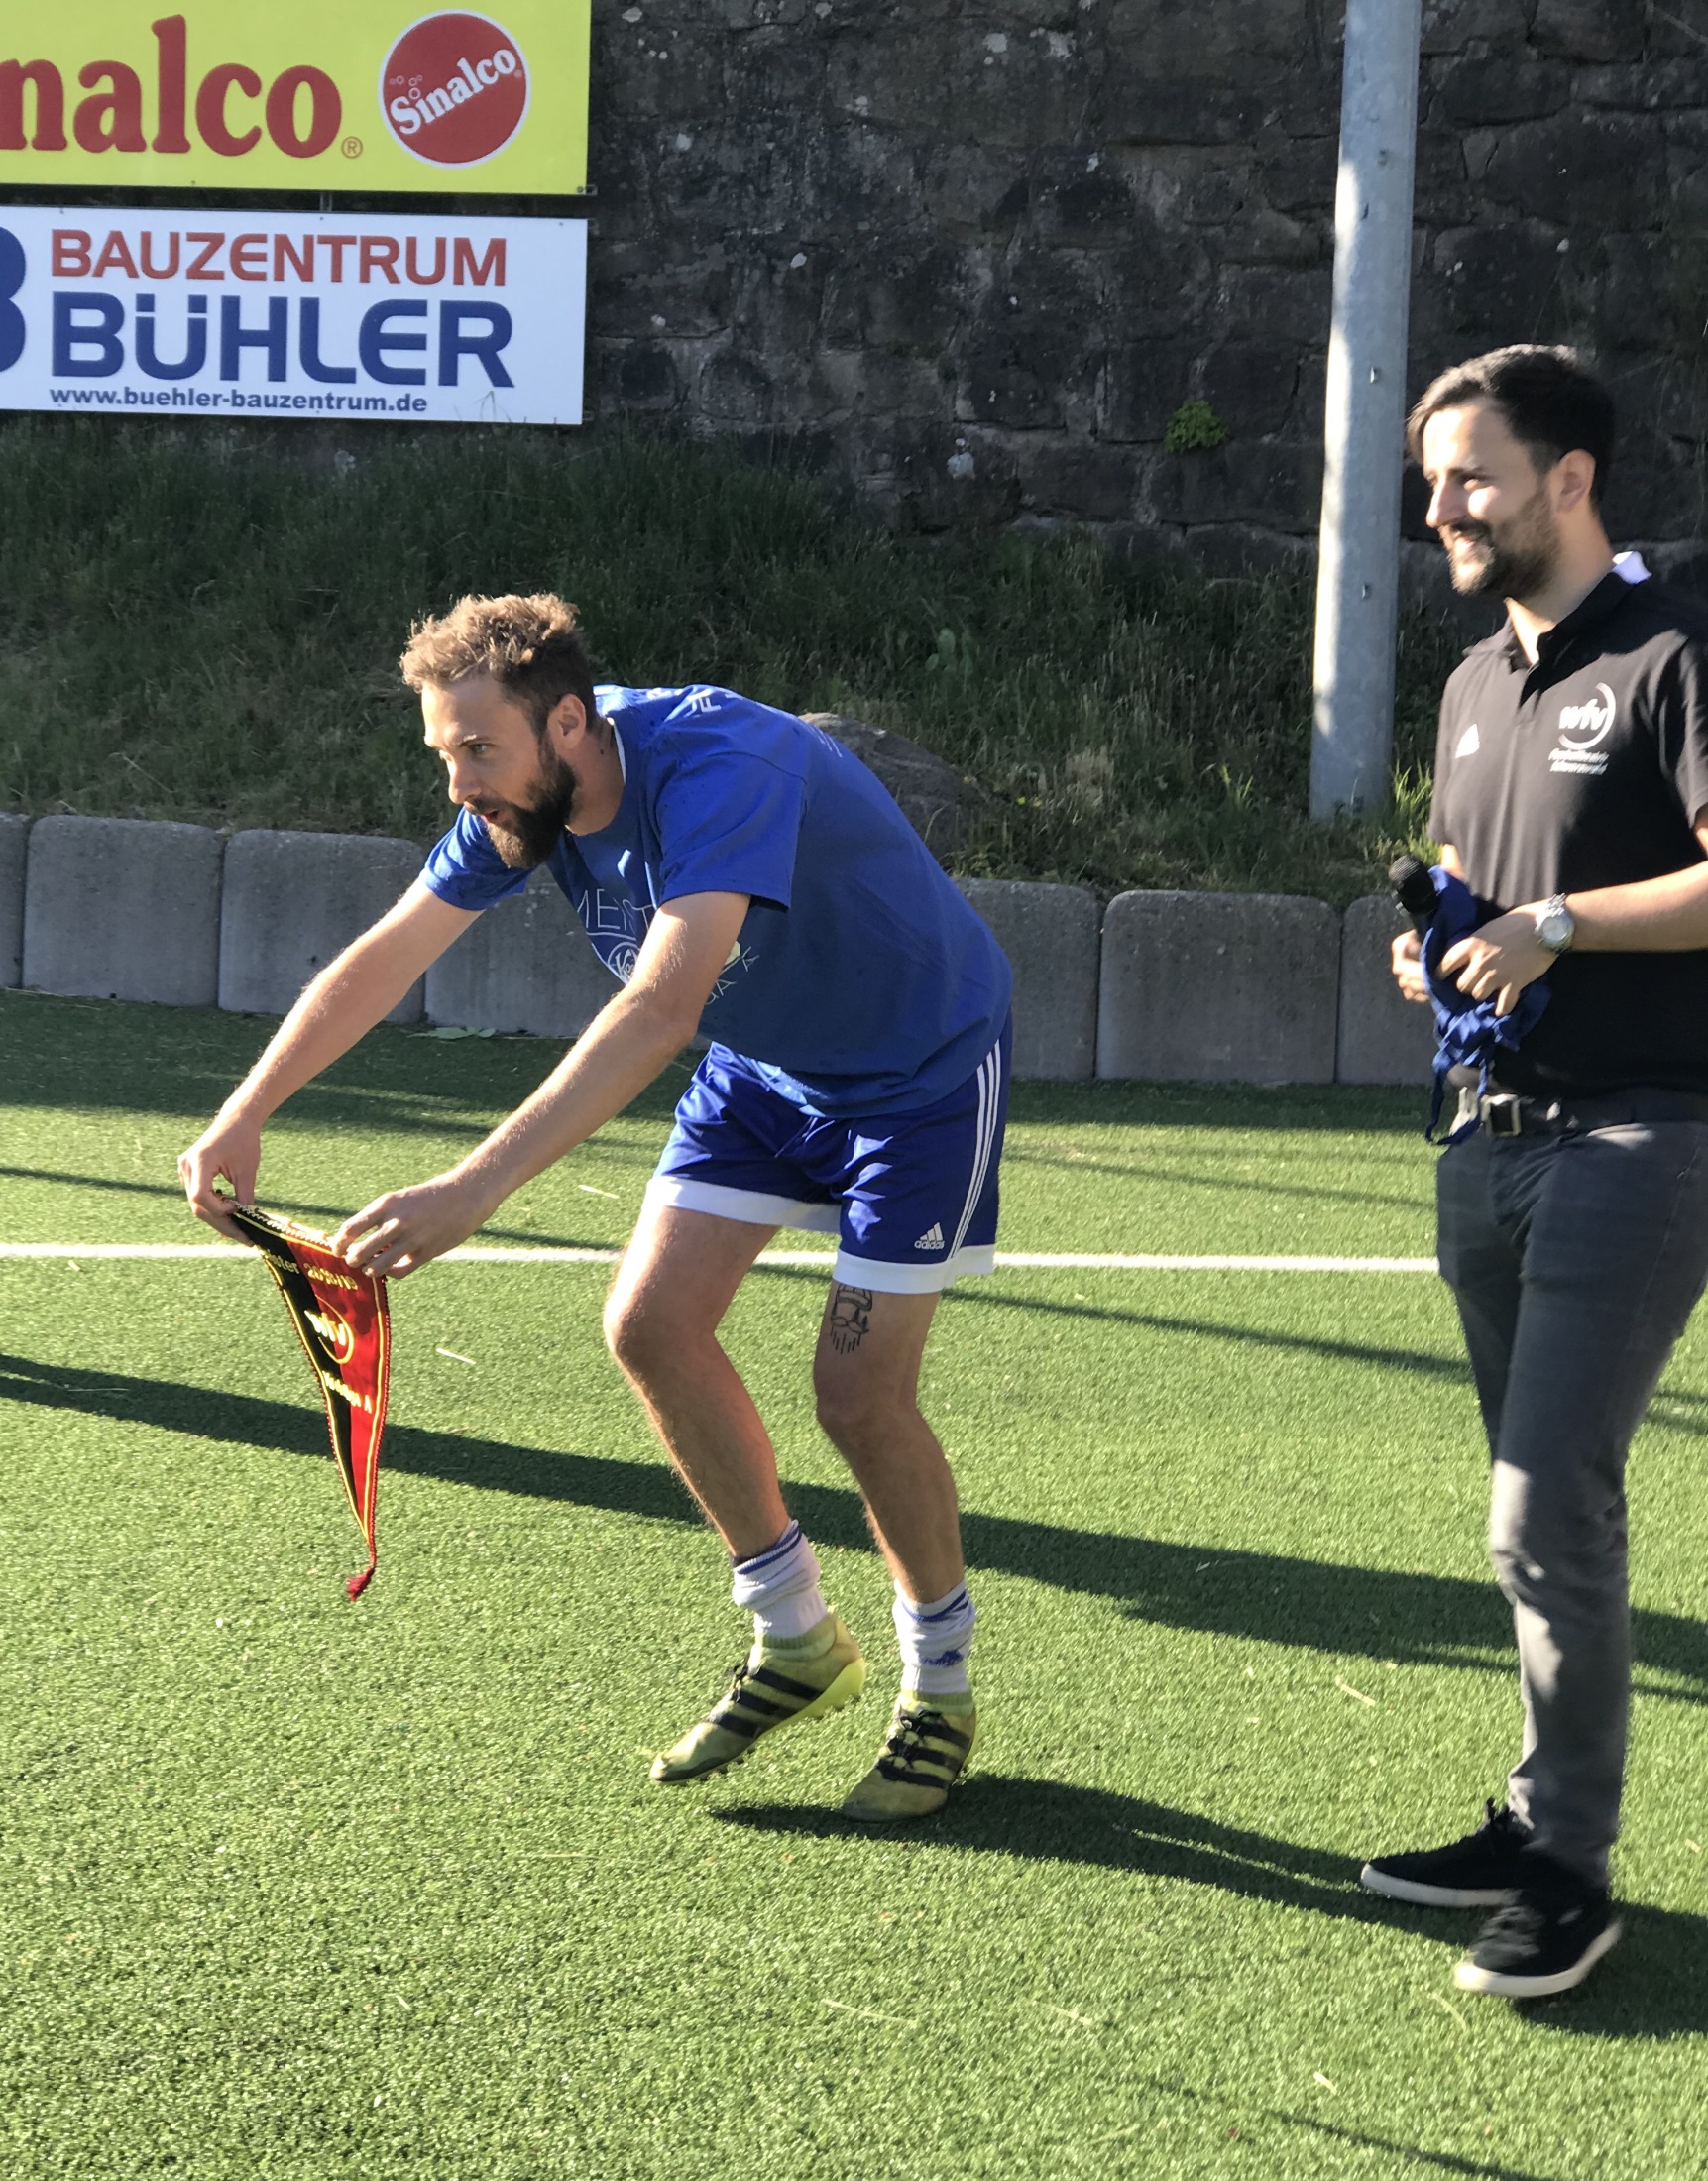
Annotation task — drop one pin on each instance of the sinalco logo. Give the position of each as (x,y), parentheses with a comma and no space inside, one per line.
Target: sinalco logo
(454,89)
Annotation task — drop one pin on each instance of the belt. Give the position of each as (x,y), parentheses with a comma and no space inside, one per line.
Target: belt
(1508,1114)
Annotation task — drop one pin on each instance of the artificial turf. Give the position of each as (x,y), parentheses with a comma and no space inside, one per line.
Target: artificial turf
(291,1886)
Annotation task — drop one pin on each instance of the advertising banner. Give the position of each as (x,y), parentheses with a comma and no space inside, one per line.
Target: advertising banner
(201,312)
(299,94)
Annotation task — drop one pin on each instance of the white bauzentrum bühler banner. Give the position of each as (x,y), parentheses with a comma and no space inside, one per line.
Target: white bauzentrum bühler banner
(200,311)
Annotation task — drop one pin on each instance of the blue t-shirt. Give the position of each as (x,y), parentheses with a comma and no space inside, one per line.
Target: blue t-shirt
(861,982)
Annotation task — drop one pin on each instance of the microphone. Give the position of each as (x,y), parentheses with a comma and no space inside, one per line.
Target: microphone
(1414,890)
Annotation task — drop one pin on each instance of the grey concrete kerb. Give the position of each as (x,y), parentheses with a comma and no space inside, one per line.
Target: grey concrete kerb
(1383,1038)
(1218,987)
(1177,986)
(1050,935)
(526,965)
(293,901)
(120,908)
(13,838)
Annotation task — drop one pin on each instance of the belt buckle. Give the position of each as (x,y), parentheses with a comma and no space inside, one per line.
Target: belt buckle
(1503,1114)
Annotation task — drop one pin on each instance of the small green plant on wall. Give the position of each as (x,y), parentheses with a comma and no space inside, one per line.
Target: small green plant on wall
(1193,425)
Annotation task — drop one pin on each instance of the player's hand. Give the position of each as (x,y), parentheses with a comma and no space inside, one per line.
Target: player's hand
(407,1228)
(227,1149)
(1408,960)
(1498,961)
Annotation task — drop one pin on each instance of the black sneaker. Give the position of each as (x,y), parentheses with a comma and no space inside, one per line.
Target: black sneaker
(1482,1870)
(1546,1940)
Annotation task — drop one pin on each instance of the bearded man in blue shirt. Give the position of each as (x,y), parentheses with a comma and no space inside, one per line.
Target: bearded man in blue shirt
(746,877)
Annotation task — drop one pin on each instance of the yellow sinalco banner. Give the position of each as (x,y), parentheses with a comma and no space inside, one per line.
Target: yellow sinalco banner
(297,95)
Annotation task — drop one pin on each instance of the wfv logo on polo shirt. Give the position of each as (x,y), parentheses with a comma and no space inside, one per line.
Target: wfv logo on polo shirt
(1583,728)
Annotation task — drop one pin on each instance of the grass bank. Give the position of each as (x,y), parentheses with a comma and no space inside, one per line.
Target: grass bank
(194,626)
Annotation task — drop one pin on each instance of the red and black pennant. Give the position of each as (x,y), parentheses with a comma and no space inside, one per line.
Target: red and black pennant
(342,1321)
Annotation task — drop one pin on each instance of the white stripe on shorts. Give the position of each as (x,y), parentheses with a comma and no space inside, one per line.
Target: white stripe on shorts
(990,1105)
(883,1278)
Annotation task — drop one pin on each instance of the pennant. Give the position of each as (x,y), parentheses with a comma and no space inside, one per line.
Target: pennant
(341,1319)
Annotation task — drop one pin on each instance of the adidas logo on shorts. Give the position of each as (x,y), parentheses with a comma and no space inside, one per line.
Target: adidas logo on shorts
(933,1239)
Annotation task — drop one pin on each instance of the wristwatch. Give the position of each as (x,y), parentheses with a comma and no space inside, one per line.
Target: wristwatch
(1556,926)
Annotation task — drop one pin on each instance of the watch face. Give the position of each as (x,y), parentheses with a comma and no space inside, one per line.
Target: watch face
(1554,929)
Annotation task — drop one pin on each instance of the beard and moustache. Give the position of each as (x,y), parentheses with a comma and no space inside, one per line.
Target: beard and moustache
(535,827)
(1516,561)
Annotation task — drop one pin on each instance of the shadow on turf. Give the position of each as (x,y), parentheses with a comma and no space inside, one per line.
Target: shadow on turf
(1443,2161)
(1418,1360)
(1408,2154)
(1182,1176)
(1652,1986)
(1321,1605)
(1050,1821)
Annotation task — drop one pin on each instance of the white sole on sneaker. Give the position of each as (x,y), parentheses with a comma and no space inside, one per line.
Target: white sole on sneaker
(1434,1897)
(1469,1978)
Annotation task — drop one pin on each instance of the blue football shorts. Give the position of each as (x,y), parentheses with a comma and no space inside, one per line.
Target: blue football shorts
(912,1197)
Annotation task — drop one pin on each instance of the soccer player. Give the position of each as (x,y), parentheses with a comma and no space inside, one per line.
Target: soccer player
(1571,795)
(741,874)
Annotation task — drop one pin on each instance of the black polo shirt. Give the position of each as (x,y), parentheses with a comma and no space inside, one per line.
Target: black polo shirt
(1581,771)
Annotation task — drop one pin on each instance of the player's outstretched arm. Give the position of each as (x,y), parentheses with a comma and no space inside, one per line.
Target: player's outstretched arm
(349,996)
(629,1042)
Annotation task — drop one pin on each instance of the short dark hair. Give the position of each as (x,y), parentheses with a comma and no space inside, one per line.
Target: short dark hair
(1552,403)
(531,647)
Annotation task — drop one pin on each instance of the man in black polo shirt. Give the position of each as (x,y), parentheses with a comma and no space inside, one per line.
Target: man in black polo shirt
(1571,795)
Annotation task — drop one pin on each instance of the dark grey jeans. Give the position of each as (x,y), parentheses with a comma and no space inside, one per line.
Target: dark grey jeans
(1575,1261)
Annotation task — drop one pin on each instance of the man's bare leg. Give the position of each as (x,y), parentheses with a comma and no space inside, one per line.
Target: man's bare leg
(866,1372)
(867,1378)
(677,1279)
(671,1294)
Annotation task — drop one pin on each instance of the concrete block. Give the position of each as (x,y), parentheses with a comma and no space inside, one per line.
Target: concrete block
(1050,936)
(13,834)
(293,901)
(526,965)
(1383,1038)
(1218,987)
(119,908)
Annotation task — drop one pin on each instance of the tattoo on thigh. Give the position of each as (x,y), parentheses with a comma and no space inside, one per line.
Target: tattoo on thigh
(851,1317)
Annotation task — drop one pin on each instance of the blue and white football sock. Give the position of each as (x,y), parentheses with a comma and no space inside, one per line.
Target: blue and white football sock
(936,1637)
(780,1587)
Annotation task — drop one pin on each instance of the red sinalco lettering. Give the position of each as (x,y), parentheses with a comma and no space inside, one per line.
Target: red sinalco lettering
(109,119)
(47,93)
(325,112)
(171,77)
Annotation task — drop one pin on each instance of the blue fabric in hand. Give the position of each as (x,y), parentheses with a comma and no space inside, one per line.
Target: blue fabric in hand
(1468,1032)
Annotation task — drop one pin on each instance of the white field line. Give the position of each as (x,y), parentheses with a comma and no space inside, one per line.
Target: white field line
(1006,1260)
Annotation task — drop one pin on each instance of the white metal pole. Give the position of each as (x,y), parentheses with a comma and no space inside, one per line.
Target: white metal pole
(1358,569)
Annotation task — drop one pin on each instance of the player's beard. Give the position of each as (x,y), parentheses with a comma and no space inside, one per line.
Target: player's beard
(535,827)
(1512,560)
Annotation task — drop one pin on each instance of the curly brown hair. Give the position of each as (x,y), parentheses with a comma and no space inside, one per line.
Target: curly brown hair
(531,647)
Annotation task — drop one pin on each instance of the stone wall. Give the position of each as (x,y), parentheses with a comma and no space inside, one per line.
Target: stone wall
(976,256)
